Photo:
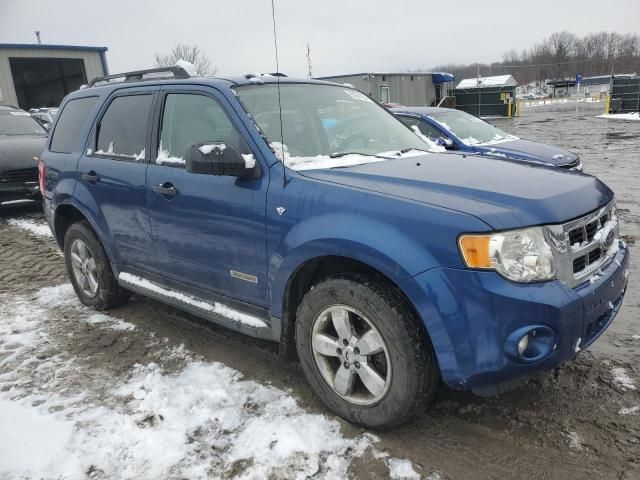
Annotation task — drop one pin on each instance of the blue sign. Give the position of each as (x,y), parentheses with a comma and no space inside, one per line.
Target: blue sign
(578,78)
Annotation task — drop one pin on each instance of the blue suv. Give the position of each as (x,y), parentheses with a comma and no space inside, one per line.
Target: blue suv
(302,212)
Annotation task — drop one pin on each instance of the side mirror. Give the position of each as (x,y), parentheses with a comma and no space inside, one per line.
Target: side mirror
(219,158)
(447,143)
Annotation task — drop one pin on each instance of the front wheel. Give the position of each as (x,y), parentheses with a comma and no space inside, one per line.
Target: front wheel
(364,352)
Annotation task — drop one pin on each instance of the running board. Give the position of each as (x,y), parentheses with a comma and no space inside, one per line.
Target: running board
(213,311)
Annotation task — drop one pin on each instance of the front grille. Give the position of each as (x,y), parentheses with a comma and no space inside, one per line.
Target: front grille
(19,175)
(582,245)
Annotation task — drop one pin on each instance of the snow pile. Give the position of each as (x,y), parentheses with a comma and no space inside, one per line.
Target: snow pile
(621,116)
(37,228)
(64,418)
(622,379)
(249,160)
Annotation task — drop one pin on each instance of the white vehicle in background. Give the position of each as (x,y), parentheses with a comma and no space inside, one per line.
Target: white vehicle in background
(45,116)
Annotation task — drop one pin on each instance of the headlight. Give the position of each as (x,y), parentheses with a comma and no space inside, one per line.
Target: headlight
(519,255)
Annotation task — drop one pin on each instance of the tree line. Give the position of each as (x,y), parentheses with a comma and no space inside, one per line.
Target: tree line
(561,56)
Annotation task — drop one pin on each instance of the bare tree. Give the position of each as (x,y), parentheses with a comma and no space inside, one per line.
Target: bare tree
(189,53)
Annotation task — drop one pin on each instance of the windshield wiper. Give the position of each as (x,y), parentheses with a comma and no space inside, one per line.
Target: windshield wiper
(407,150)
(342,154)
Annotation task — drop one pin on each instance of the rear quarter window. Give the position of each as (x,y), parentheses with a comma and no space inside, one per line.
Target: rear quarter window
(72,119)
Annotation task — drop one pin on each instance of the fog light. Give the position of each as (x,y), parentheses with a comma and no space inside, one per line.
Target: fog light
(523,344)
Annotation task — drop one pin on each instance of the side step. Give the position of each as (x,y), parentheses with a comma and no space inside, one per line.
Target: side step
(212,311)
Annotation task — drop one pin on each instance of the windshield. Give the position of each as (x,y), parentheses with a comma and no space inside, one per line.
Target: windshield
(19,123)
(471,130)
(326,126)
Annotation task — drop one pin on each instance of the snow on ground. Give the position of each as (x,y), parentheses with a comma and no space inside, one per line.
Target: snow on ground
(620,116)
(635,410)
(65,417)
(402,469)
(622,379)
(38,228)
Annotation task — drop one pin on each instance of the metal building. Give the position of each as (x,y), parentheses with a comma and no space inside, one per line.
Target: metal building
(36,75)
(594,87)
(410,89)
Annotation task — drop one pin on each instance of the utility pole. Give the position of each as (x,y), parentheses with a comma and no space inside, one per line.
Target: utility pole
(38,37)
(309,74)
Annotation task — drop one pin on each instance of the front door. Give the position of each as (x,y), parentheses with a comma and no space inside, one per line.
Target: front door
(111,175)
(208,231)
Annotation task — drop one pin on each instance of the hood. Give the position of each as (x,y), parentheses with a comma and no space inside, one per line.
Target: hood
(504,194)
(17,151)
(527,150)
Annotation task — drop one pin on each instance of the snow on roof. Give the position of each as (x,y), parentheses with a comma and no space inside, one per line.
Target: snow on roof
(497,81)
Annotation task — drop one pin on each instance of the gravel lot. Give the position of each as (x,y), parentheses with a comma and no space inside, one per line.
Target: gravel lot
(149,392)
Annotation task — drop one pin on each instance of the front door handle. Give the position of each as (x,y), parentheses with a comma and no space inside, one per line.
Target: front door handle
(166,189)
(91,177)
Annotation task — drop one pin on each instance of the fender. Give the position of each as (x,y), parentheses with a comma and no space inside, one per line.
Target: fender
(391,251)
(99,225)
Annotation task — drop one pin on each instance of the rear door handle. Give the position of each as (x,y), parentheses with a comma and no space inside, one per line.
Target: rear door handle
(166,189)
(91,177)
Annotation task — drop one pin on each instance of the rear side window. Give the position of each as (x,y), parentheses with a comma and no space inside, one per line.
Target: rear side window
(427,130)
(122,131)
(72,119)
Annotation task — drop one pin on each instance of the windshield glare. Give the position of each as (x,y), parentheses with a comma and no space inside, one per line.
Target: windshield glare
(19,123)
(322,123)
(471,130)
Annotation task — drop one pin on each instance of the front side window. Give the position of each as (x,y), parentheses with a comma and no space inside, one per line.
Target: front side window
(19,123)
(471,130)
(122,131)
(325,126)
(72,119)
(189,119)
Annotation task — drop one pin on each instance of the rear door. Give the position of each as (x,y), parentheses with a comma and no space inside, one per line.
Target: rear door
(111,174)
(209,232)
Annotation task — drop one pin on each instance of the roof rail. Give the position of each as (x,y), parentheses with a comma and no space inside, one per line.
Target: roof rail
(139,75)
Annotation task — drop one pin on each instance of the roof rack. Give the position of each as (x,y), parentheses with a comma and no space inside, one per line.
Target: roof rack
(139,75)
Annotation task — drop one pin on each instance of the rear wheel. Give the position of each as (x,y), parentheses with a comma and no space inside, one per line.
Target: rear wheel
(363,352)
(89,269)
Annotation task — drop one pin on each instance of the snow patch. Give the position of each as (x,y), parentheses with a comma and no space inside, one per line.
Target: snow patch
(188,67)
(215,307)
(402,469)
(622,379)
(573,439)
(39,229)
(249,160)
(635,410)
(621,116)
(206,149)
(165,158)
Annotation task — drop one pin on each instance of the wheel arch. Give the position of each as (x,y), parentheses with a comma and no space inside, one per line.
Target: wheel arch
(314,270)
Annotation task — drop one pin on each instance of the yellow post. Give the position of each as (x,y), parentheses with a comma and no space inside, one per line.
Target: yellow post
(608,104)
(509,105)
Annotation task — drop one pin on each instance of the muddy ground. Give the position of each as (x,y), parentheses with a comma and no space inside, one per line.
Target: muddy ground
(565,424)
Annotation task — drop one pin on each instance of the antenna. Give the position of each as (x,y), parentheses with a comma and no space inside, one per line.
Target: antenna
(275,44)
(309,75)
(38,36)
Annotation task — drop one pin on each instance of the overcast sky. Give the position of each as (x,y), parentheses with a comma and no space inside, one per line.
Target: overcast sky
(345,36)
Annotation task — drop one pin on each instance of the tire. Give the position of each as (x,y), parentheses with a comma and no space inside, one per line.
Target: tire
(409,369)
(108,293)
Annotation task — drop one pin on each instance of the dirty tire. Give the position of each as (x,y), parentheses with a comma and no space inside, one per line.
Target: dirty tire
(414,370)
(109,294)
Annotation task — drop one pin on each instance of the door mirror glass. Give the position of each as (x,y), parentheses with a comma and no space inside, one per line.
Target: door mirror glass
(219,158)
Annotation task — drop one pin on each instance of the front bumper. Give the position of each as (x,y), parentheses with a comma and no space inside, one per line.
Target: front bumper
(470,315)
